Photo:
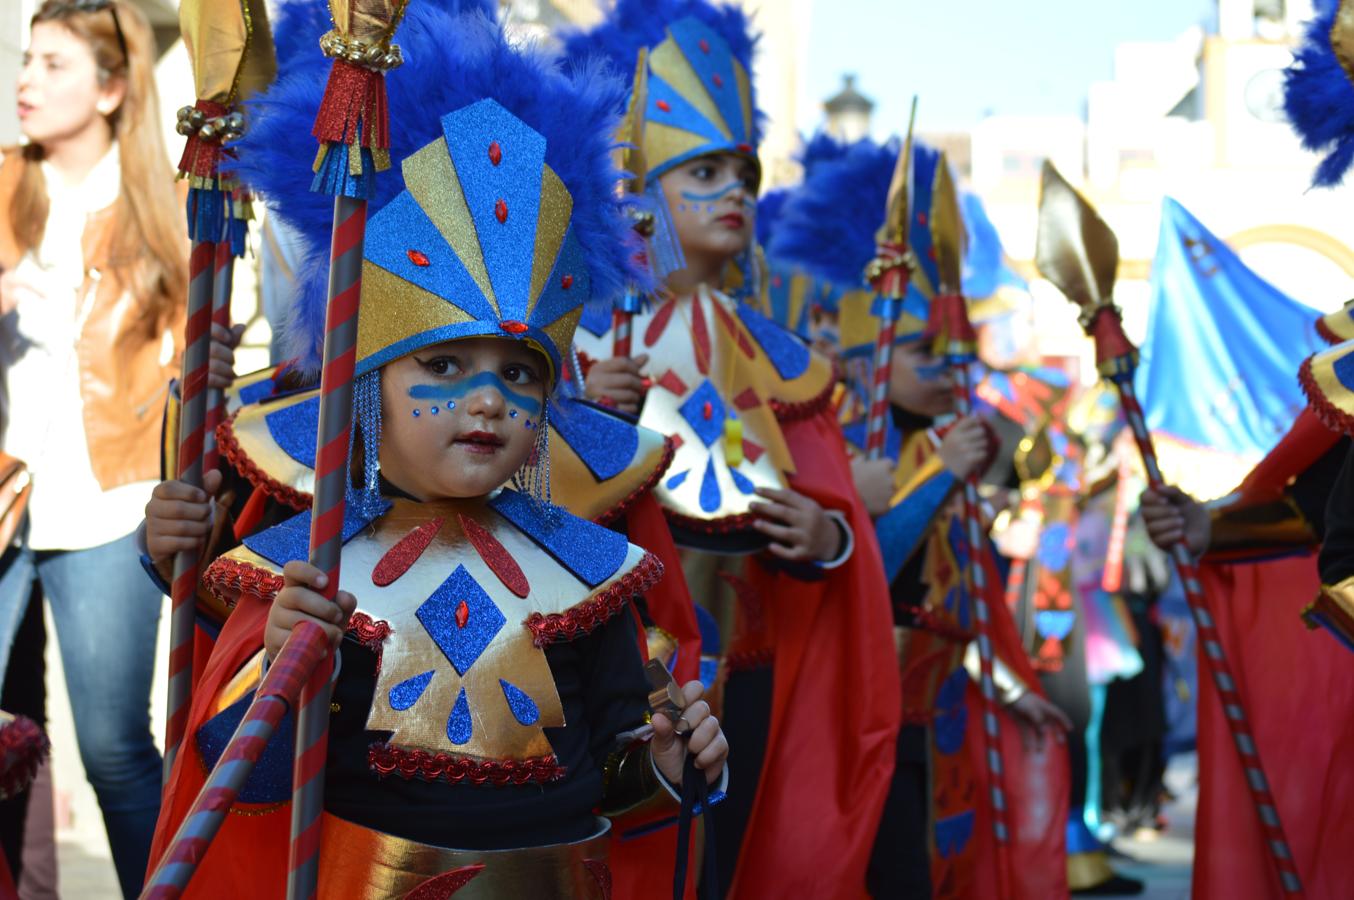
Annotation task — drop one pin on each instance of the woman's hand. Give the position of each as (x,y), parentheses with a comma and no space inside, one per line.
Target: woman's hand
(874,483)
(965,447)
(706,739)
(617,382)
(221,364)
(179,519)
(1170,515)
(799,528)
(300,600)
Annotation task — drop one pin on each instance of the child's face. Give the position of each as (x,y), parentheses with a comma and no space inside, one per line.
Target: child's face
(713,204)
(918,382)
(460,418)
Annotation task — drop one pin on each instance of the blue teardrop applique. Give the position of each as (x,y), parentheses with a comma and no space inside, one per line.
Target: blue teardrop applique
(742,482)
(406,693)
(523,708)
(676,480)
(710,495)
(458,723)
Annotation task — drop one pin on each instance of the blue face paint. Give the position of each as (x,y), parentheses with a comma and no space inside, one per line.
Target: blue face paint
(512,414)
(459,390)
(713,195)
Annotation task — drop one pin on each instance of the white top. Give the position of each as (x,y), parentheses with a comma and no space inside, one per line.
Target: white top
(68,509)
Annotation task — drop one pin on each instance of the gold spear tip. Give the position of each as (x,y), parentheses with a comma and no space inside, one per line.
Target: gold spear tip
(947,229)
(1075,249)
(893,232)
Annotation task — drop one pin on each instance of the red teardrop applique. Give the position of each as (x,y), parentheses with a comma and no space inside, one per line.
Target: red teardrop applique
(495,153)
(718,80)
(727,321)
(704,45)
(673,382)
(405,553)
(566,282)
(501,211)
(752,450)
(496,556)
(462,614)
(442,887)
(418,259)
(512,326)
(659,323)
(664,105)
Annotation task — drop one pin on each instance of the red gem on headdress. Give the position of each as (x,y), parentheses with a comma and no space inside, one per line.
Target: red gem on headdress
(775,281)
(405,553)
(931,254)
(704,45)
(496,557)
(566,282)
(744,148)
(495,153)
(921,218)
(664,105)
(513,327)
(501,211)
(718,80)
(418,259)
(462,614)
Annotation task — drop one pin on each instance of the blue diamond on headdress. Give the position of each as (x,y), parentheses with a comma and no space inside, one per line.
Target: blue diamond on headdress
(704,412)
(461,632)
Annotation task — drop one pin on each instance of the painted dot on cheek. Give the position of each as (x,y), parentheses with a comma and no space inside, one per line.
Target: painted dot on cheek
(451,404)
(436,410)
(512,414)
(417,414)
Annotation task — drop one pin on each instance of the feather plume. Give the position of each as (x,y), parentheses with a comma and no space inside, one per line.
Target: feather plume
(1319,92)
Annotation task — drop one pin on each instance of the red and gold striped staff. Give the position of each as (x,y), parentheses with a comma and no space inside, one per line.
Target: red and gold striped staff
(1079,253)
(951,333)
(231,55)
(889,274)
(278,692)
(354,132)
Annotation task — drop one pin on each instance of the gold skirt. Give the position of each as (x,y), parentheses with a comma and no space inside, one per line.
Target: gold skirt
(358,863)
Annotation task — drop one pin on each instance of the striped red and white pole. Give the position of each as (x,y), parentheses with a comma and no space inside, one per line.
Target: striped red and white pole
(876,430)
(326,530)
(623,323)
(281,686)
(975,583)
(222,283)
(192,422)
(1234,709)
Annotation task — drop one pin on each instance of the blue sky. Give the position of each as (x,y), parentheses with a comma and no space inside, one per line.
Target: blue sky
(966,59)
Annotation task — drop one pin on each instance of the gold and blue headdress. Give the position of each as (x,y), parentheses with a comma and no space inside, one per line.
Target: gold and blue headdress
(1319,90)
(504,220)
(700,95)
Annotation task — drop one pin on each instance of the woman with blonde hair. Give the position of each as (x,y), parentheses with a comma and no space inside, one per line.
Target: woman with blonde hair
(94,257)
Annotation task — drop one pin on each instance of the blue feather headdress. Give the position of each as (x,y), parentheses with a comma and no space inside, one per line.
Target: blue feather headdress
(700,94)
(556,134)
(1319,91)
(828,226)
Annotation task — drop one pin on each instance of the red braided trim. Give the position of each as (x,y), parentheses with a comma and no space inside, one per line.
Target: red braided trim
(611,515)
(592,613)
(370,633)
(723,525)
(1325,331)
(386,760)
(228,578)
(929,621)
(1330,415)
(234,454)
(806,409)
(748,660)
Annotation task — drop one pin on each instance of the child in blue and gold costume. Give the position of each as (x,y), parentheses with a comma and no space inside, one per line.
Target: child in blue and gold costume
(935,836)
(490,697)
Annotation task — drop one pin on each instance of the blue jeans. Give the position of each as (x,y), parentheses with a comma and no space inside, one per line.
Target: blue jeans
(106,613)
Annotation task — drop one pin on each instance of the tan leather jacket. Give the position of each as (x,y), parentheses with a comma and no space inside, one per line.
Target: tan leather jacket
(124,375)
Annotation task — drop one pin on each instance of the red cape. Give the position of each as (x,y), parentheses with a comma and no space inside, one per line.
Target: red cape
(836,706)
(1299,693)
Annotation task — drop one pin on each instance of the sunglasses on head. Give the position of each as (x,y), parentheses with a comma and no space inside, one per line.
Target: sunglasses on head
(93,6)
